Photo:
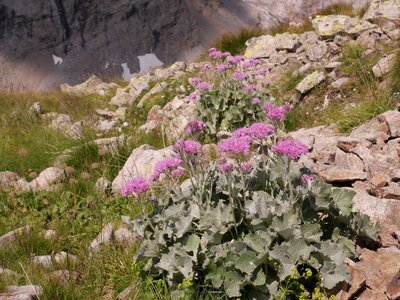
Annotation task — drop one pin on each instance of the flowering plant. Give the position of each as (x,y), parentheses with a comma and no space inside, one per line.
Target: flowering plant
(243,224)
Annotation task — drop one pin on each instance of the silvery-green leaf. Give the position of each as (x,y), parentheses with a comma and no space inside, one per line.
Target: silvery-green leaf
(192,245)
(260,278)
(233,283)
(245,262)
(183,225)
(343,199)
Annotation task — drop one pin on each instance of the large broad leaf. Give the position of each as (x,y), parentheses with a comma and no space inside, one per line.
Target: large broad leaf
(290,254)
(259,242)
(233,282)
(259,278)
(323,193)
(333,274)
(311,232)
(183,226)
(344,200)
(215,275)
(246,262)
(192,245)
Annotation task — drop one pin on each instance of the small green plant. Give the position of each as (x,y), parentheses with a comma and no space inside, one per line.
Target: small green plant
(305,26)
(341,8)
(395,75)
(235,43)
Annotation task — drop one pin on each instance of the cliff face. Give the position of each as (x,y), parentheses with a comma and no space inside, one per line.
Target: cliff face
(46,42)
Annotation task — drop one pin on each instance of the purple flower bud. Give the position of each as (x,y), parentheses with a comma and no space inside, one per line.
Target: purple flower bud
(136,186)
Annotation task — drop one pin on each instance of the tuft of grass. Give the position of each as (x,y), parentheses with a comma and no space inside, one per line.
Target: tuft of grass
(341,8)
(395,75)
(235,43)
(289,28)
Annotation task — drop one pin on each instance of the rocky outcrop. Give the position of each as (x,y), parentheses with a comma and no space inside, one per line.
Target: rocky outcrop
(141,162)
(329,26)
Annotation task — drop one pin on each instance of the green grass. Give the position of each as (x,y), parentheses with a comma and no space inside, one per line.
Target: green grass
(286,85)
(235,43)
(395,75)
(340,8)
(286,27)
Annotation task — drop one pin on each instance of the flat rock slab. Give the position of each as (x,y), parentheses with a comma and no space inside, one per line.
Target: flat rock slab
(329,26)
(336,175)
(267,45)
(310,82)
(382,10)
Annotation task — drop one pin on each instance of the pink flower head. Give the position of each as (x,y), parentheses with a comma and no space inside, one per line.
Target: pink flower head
(226,167)
(195,80)
(194,96)
(235,59)
(249,88)
(195,127)
(177,173)
(247,167)
(212,50)
(261,130)
(240,75)
(226,54)
(215,54)
(221,68)
(233,145)
(262,72)
(188,146)
(163,166)
(205,67)
(306,179)
(136,186)
(240,132)
(255,100)
(204,85)
(267,106)
(278,113)
(290,148)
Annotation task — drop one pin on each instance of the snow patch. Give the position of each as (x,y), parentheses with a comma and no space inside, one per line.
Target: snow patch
(148,61)
(57,60)
(126,72)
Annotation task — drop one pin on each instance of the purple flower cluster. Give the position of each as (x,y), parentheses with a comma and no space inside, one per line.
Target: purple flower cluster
(251,63)
(277,113)
(136,186)
(236,145)
(205,67)
(188,146)
(262,72)
(247,166)
(214,53)
(226,167)
(204,85)
(306,179)
(235,60)
(256,130)
(291,148)
(249,88)
(195,80)
(195,127)
(221,68)
(240,75)
(194,96)
(255,100)
(170,164)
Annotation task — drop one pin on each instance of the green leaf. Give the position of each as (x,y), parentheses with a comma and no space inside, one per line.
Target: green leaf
(192,245)
(260,278)
(233,283)
(344,200)
(246,262)
(215,276)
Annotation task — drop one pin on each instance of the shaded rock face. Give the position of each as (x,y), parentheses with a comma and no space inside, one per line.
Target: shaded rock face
(45,43)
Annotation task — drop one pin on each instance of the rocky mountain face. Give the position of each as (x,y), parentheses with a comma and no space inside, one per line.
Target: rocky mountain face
(44,43)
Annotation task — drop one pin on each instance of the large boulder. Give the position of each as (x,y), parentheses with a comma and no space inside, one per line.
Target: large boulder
(93,85)
(172,119)
(266,45)
(141,162)
(384,65)
(383,10)
(47,180)
(329,26)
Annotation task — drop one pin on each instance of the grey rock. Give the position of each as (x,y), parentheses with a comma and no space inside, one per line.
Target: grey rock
(267,45)
(47,180)
(105,125)
(141,162)
(126,294)
(50,234)
(64,277)
(337,84)
(329,26)
(159,87)
(6,273)
(102,185)
(348,161)
(47,261)
(125,237)
(336,175)
(394,35)
(22,292)
(35,109)
(392,118)
(383,10)
(333,65)
(13,236)
(384,65)
(103,238)
(93,85)
(310,82)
